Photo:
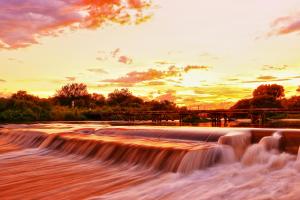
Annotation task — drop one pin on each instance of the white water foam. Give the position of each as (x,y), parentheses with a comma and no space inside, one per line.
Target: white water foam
(263,174)
(226,181)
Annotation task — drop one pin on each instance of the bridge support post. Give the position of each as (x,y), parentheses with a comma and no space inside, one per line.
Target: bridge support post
(262,118)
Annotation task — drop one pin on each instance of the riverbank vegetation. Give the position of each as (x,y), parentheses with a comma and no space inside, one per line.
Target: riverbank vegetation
(270,96)
(74,102)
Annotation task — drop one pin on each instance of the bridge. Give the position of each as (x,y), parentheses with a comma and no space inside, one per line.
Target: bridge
(257,115)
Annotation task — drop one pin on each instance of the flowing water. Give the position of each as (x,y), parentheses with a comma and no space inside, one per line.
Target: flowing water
(98,161)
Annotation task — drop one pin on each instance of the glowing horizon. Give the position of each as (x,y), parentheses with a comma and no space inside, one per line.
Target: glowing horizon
(194,52)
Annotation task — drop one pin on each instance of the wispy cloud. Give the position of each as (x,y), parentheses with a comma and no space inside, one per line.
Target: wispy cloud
(162,62)
(232,79)
(267,78)
(71,78)
(115,55)
(274,68)
(22,22)
(156,83)
(15,60)
(195,67)
(101,55)
(97,70)
(2,81)
(219,92)
(208,56)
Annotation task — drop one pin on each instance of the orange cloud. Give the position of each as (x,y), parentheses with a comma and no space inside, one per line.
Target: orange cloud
(23,21)
(116,54)
(156,83)
(152,74)
(261,79)
(2,81)
(195,67)
(266,78)
(285,25)
(170,95)
(233,79)
(125,60)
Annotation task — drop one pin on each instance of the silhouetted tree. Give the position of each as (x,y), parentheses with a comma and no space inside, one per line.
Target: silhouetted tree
(124,97)
(271,90)
(265,102)
(292,103)
(242,104)
(264,96)
(162,105)
(23,95)
(74,93)
(97,100)
(3,104)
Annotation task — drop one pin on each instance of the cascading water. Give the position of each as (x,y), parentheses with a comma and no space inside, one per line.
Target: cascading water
(239,141)
(267,152)
(206,157)
(271,142)
(78,164)
(162,155)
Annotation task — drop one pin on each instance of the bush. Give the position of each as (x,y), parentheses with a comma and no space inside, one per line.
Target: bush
(18,115)
(194,119)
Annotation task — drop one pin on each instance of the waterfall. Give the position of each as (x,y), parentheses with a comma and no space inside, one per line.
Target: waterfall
(263,151)
(85,164)
(23,138)
(238,140)
(156,154)
(271,142)
(199,159)
(205,157)
(161,155)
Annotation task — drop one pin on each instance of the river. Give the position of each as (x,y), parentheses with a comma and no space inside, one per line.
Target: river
(93,160)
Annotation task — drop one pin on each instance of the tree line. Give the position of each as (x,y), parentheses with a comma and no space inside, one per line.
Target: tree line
(74,102)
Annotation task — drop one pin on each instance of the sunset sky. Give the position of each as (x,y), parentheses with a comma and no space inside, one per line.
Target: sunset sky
(193,52)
